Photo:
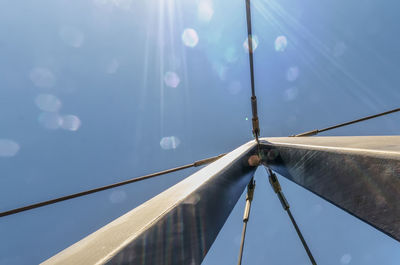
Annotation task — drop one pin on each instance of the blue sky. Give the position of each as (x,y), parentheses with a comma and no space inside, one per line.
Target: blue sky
(97,91)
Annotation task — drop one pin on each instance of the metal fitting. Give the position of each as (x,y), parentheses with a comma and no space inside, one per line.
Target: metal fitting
(276,186)
(249,198)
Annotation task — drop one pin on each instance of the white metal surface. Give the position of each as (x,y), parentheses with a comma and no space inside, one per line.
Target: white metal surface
(177,226)
(360,174)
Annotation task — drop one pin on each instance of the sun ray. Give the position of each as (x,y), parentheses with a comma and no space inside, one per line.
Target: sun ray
(275,15)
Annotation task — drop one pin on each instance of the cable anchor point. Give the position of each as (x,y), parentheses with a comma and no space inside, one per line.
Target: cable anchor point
(249,198)
(255,122)
(276,186)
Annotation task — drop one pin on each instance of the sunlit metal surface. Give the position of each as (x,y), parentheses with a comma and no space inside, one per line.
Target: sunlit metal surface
(176,227)
(360,174)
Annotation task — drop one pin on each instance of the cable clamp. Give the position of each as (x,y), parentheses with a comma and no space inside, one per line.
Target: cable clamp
(207,160)
(256,125)
(249,197)
(276,186)
(310,133)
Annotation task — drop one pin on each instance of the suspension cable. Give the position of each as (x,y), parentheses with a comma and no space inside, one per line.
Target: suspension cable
(256,128)
(255,122)
(249,197)
(315,132)
(114,185)
(273,180)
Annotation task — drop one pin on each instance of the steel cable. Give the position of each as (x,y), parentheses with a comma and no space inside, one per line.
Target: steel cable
(114,185)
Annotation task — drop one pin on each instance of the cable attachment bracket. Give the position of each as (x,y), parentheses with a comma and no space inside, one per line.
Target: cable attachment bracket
(249,198)
(276,186)
(207,160)
(256,125)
